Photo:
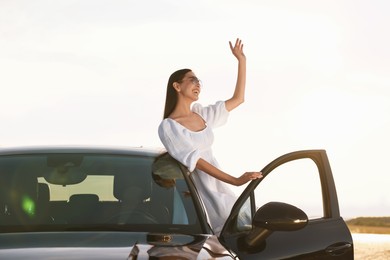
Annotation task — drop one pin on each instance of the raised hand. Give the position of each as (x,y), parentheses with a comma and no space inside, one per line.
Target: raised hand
(237,49)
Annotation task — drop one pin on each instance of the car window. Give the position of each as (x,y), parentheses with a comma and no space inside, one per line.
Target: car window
(297,183)
(65,191)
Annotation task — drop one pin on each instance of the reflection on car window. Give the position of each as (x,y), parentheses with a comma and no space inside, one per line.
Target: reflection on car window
(94,190)
(244,221)
(102,186)
(166,173)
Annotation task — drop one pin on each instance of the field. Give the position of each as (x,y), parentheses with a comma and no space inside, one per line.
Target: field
(369,225)
(371,237)
(369,230)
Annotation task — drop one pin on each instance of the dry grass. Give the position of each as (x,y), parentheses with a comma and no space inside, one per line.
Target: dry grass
(368,229)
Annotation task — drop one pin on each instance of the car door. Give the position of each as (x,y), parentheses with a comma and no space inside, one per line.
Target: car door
(292,212)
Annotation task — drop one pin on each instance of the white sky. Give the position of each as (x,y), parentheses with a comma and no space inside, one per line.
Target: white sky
(95,72)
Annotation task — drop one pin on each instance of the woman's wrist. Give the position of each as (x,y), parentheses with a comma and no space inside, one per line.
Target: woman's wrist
(236,181)
(241,58)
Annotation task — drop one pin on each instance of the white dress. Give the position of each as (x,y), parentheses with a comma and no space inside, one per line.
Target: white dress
(188,147)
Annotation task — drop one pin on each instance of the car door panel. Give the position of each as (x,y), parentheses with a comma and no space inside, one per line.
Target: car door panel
(326,237)
(314,241)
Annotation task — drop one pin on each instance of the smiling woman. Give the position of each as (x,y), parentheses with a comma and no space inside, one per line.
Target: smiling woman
(187,134)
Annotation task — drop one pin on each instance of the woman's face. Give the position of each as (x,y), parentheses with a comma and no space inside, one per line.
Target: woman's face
(189,86)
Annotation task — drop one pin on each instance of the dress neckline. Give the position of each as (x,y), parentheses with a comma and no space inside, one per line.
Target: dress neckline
(189,130)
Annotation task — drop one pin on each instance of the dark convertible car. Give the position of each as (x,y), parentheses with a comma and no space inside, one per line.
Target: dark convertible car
(137,203)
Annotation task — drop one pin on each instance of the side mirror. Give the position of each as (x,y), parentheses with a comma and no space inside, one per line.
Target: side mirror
(275,216)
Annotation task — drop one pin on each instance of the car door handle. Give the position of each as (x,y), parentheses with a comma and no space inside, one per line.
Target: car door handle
(338,248)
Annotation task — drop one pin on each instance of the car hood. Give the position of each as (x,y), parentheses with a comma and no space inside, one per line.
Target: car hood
(109,245)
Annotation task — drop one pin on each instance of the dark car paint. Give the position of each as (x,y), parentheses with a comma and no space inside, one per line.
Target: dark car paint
(325,238)
(108,245)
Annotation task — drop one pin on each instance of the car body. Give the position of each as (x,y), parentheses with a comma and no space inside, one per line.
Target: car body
(137,203)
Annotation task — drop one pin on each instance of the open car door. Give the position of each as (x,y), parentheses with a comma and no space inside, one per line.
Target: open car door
(292,212)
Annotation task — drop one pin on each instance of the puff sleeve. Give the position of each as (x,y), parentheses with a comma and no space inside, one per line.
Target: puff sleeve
(177,144)
(215,115)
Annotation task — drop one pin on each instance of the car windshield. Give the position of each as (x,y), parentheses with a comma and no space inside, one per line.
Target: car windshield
(44,192)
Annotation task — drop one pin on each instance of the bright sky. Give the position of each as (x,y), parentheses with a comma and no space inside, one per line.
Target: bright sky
(95,72)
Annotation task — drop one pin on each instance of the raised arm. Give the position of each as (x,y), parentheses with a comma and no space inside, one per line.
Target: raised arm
(239,92)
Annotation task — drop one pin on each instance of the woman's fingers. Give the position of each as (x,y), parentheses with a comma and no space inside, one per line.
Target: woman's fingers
(237,49)
(254,175)
(231,45)
(237,45)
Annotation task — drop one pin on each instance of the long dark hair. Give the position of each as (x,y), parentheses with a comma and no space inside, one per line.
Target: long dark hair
(171,98)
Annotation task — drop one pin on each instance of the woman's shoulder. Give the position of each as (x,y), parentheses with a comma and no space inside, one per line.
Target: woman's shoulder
(166,122)
(197,107)
(165,128)
(168,125)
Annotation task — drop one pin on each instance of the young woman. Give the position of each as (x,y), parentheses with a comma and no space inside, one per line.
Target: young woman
(186,132)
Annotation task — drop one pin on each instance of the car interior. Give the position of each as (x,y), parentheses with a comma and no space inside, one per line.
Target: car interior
(89,191)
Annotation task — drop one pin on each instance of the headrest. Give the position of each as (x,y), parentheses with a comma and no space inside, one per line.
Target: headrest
(124,181)
(83,199)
